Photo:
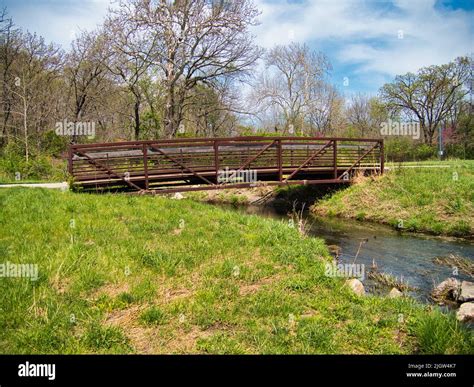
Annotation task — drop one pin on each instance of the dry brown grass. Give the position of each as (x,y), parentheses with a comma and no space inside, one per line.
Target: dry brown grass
(185,341)
(461,263)
(255,287)
(112,290)
(141,338)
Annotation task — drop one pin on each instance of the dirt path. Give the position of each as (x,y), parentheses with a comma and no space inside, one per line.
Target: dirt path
(62,186)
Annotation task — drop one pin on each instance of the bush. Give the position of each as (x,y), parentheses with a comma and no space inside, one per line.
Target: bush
(424,152)
(54,145)
(460,151)
(38,166)
(405,149)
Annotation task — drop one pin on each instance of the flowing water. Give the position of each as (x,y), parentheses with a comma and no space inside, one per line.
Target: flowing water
(408,257)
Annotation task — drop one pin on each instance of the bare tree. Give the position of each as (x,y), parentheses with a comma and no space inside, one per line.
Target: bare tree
(10,44)
(86,71)
(338,117)
(129,60)
(321,113)
(430,94)
(153,98)
(194,42)
(210,112)
(36,68)
(359,114)
(293,78)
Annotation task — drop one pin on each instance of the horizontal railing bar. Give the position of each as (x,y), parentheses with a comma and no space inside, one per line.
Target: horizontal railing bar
(221,139)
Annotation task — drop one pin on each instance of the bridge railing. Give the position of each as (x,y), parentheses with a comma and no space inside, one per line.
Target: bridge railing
(168,164)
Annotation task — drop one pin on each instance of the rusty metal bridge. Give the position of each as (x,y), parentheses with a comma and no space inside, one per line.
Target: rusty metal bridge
(178,165)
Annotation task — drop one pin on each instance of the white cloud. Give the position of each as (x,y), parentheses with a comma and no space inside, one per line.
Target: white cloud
(367,34)
(357,33)
(59,22)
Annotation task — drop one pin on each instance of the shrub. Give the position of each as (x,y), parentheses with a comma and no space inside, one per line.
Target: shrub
(38,167)
(405,149)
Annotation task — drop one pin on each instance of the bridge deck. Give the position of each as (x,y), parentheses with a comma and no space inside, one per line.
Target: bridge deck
(214,163)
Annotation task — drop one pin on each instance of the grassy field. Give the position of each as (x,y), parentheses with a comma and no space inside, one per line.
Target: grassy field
(123,274)
(412,197)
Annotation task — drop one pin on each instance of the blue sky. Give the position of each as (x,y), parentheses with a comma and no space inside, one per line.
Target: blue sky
(368,42)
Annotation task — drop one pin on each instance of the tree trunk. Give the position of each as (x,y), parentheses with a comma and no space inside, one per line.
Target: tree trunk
(25,127)
(77,117)
(169,113)
(430,136)
(137,119)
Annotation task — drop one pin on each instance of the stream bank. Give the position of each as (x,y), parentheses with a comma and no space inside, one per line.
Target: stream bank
(408,257)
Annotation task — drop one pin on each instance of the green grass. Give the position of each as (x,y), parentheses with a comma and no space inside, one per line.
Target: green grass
(440,335)
(153,316)
(438,201)
(154,275)
(98,338)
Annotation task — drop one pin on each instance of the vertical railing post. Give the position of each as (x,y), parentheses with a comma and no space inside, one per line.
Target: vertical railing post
(216,159)
(334,158)
(382,157)
(69,165)
(358,156)
(145,164)
(280,161)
